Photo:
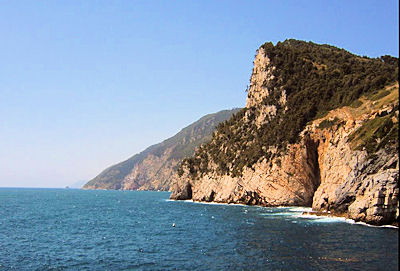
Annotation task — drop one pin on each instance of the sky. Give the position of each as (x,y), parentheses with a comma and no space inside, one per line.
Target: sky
(87,84)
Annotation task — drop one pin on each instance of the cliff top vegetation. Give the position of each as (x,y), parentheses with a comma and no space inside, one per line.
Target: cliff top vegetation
(316,79)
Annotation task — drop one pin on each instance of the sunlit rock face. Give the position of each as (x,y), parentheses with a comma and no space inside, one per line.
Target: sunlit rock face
(328,168)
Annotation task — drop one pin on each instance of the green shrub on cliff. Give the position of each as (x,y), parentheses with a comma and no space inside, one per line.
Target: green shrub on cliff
(327,123)
(316,78)
(375,134)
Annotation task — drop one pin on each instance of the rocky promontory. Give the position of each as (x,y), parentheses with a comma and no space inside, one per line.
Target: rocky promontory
(319,129)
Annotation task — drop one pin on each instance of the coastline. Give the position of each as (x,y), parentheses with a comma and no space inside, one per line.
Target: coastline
(306,213)
(319,215)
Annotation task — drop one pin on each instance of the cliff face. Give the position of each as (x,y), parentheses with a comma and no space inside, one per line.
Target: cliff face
(360,185)
(290,179)
(152,173)
(344,159)
(153,168)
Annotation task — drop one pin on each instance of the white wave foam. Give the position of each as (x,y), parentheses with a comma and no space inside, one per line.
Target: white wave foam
(294,208)
(300,209)
(325,219)
(187,200)
(218,203)
(296,212)
(333,219)
(211,203)
(279,214)
(374,226)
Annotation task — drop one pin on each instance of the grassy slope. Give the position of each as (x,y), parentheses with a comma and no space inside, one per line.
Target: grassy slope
(382,130)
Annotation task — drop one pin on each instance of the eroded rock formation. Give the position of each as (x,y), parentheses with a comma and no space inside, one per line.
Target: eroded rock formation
(345,163)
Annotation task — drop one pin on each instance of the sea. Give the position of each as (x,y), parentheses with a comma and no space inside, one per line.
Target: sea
(72,229)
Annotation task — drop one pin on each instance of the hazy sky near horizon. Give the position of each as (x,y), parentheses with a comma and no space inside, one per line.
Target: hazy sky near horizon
(86,84)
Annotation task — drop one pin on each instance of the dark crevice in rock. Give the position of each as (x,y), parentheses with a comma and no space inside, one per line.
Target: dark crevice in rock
(212,195)
(251,198)
(313,164)
(209,198)
(184,193)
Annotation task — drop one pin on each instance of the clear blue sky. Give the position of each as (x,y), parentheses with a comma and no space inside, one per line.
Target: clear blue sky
(86,84)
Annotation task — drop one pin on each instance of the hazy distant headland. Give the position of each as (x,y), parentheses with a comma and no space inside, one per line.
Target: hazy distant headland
(153,169)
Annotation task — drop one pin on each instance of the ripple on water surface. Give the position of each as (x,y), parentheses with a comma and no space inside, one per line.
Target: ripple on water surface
(68,229)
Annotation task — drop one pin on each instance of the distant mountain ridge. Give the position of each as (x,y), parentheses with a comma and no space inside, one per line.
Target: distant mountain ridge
(153,168)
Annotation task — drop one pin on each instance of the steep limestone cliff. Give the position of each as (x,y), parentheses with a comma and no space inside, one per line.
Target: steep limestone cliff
(357,181)
(303,140)
(153,168)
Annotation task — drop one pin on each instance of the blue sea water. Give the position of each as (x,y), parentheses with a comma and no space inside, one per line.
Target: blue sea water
(69,229)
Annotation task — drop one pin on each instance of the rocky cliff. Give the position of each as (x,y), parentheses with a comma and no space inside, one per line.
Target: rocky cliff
(153,168)
(358,159)
(319,129)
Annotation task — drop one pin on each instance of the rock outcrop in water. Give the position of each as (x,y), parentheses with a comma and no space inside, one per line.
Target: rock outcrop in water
(153,168)
(319,129)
